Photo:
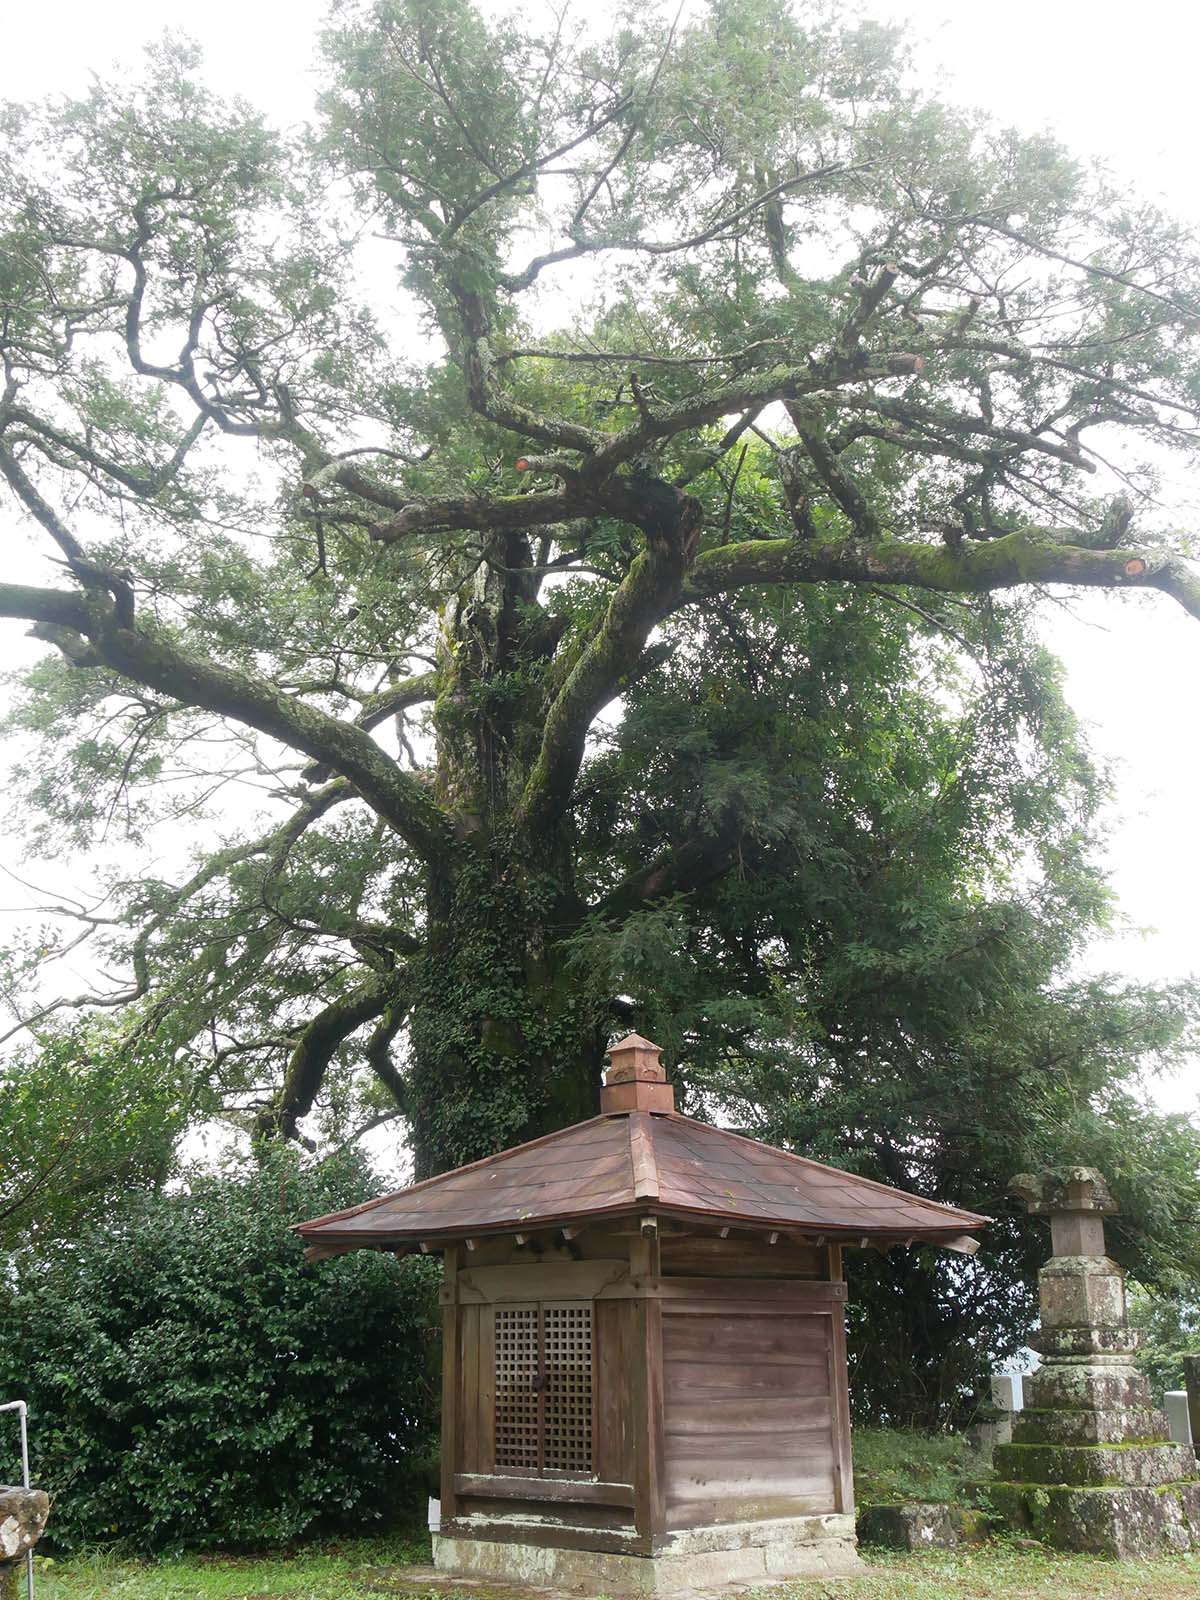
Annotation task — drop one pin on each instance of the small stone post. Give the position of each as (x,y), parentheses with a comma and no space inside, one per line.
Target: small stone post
(1191,1382)
(1175,1406)
(1090,1465)
(23,1514)
(993,1422)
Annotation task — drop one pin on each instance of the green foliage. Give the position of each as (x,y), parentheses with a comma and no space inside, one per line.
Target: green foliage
(893,1464)
(1170,1329)
(83,1121)
(883,981)
(192,1383)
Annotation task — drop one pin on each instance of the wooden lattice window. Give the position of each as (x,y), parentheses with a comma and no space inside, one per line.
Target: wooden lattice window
(567,1410)
(518,1403)
(544,1389)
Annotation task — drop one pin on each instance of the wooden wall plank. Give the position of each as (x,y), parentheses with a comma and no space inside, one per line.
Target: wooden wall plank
(585,1491)
(608,1391)
(788,1448)
(751,1508)
(699,1380)
(727,1338)
(646,1419)
(750,1416)
(533,1280)
(651,1317)
(748,1479)
(753,1415)
(487,1389)
(737,1291)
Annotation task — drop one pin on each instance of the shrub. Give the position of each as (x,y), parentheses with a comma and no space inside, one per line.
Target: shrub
(192,1382)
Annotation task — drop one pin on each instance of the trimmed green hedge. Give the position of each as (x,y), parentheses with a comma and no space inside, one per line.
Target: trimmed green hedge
(193,1383)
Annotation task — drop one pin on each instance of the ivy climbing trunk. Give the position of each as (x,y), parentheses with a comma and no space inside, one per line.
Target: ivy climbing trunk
(506,1038)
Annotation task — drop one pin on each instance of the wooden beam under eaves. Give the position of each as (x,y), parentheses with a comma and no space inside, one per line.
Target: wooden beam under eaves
(322,1252)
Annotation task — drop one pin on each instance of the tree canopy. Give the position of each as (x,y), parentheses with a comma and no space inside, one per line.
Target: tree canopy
(697,369)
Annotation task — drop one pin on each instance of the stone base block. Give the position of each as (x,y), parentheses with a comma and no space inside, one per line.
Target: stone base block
(750,1554)
(921,1525)
(1087,1385)
(1082,1292)
(1117,1344)
(23,1514)
(1114,1425)
(985,1434)
(1097,1465)
(1127,1522)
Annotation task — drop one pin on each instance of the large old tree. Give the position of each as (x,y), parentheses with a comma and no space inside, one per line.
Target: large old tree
(700,372)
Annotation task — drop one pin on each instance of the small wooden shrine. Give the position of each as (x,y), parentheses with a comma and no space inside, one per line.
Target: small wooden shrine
(644,1372)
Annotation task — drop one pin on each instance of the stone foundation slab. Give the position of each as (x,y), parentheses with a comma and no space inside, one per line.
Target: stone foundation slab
(921,1525)
(749,1554)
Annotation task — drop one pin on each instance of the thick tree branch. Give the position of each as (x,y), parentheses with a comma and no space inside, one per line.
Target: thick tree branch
(151,659)
(1023,557)
(62,608)
(678,870)
(514,511)
(379,1048)
(314,1050)
(648,590)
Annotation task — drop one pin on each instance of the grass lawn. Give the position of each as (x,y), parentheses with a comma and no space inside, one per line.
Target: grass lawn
(370,1568)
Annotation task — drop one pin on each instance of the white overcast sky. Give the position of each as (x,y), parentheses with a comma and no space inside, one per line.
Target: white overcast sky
(1111,80)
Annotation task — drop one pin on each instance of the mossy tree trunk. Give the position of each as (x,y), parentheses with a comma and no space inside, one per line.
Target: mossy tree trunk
(506,1036)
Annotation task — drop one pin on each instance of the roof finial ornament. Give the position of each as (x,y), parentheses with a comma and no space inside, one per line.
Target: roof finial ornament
(636,1079)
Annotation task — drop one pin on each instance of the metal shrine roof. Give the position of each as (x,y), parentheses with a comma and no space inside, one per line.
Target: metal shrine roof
(640,1162)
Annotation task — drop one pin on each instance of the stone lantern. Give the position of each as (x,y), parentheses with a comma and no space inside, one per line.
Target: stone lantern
(23,1514)
(1090,1465)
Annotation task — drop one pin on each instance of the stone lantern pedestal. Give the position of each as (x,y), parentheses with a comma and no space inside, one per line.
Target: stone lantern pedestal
(1090,1465)
(23,1514)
